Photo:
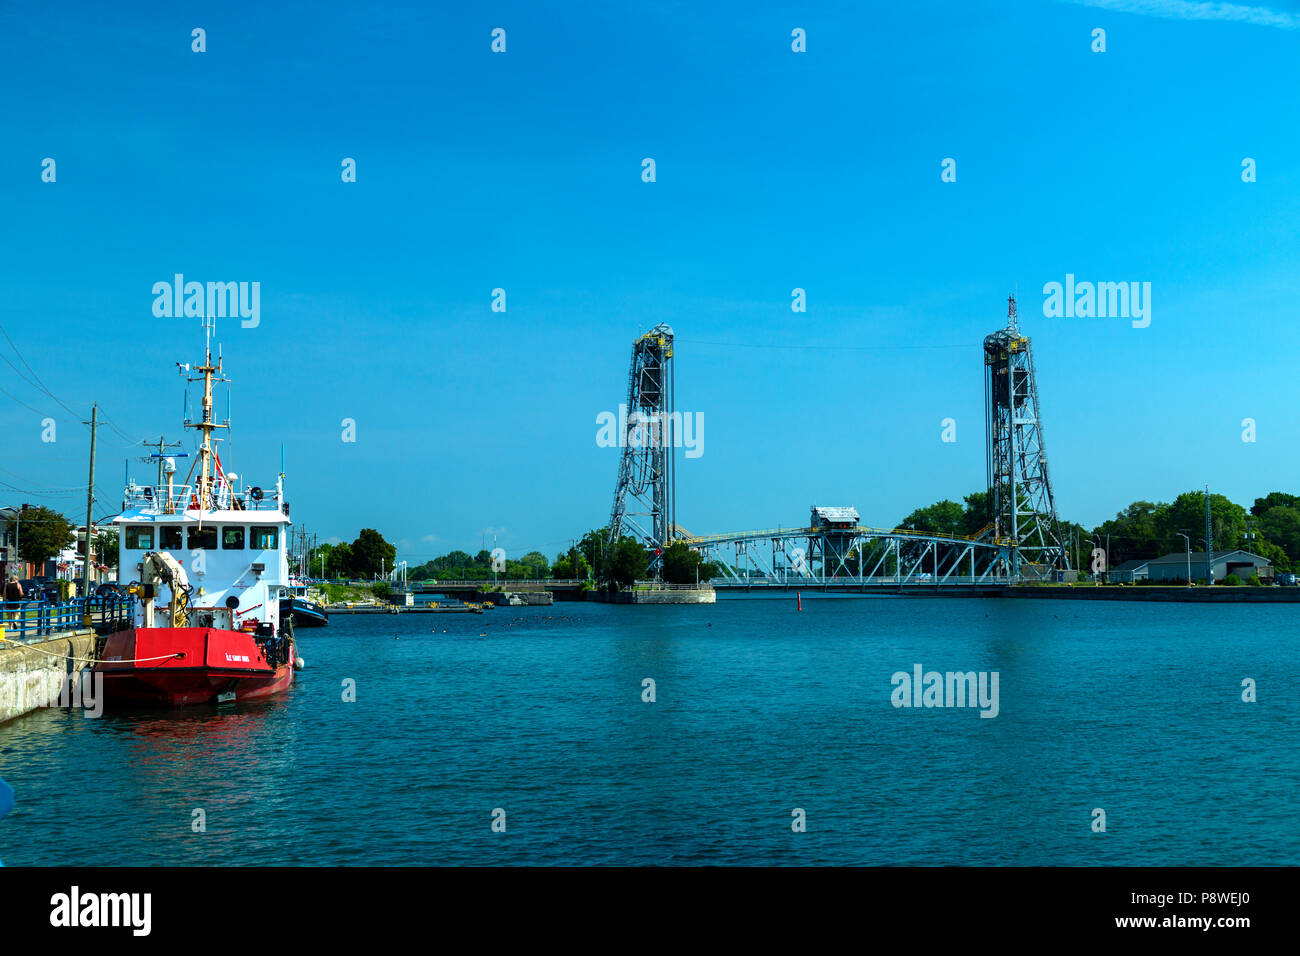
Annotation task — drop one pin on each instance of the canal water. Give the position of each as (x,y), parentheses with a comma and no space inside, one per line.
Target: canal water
(1133,709)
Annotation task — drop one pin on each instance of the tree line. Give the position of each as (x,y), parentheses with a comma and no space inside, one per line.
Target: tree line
(586,559)
(368,556)
(43,533)
(1145,529)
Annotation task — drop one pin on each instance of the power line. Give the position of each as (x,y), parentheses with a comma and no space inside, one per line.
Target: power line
(66,493)
(24,404)
(38,383)
(13,474)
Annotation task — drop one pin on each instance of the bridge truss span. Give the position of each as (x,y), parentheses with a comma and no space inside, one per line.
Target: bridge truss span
(852,557)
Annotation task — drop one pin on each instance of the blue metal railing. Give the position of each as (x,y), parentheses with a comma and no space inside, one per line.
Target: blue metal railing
(27,621)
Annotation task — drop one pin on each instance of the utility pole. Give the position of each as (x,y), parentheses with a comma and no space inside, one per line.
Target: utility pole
(162,444)
(90,506)
(1209,541)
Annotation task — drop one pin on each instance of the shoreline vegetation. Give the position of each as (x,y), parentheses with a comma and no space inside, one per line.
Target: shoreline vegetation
(1270,528)
(585,559)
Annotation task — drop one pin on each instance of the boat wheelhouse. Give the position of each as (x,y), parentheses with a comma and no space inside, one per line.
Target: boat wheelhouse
(235,551)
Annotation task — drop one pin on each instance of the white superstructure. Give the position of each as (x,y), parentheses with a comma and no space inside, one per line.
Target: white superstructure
(230,540)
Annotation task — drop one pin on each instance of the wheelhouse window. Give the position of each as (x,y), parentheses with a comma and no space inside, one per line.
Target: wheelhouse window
(169,538)
(139,539)
(232,538)
(265,539)
(205,538)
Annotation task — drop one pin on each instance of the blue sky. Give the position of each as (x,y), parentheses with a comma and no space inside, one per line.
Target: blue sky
(775,170)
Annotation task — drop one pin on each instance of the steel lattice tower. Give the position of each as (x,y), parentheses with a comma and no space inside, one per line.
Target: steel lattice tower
(1024,510)
(644,497)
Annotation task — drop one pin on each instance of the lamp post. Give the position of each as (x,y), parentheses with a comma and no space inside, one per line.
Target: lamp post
(1189,557)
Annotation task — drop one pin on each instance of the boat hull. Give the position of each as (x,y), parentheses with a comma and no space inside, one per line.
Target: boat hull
(183,666)
(305,613)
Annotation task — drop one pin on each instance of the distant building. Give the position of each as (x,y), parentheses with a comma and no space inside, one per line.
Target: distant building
(1172,568)
(10,535)
(1130,572)
(830,550)
(839,519)
(67,565)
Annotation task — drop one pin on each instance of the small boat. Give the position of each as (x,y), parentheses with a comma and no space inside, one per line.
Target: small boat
(305,612)
(212,561)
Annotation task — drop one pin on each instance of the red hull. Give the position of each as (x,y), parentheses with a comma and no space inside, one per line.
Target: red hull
(179,666)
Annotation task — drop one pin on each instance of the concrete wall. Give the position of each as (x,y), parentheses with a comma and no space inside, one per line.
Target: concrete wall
(522,598)
(33,675)
(1219,594)
(674,596)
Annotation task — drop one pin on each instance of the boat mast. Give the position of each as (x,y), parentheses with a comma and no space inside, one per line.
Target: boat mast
(207,425)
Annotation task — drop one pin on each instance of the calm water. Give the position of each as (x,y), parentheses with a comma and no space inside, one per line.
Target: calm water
(1133,708)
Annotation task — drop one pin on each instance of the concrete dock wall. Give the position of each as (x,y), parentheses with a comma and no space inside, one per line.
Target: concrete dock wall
(32,675)
(520,598)
(1219,594)
(667,596)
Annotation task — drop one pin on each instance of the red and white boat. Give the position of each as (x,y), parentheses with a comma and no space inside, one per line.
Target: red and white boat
(211,559)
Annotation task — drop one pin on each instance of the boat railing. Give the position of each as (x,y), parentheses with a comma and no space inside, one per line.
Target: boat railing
(182,498)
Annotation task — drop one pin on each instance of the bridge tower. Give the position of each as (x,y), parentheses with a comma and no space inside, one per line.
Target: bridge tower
(644,499)
(1023,507)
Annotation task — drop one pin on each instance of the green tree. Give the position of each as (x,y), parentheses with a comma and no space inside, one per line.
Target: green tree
(106,548)
(570,564)
(942,517)
(978,513)
(592,547)
(1274,499)
(42,534)
(1280,524)
(454,561)
(337,560)
(535,565)
(371,554)
(1139,531)
(682,563)
(1275,555)
(628,562)
(1188,511)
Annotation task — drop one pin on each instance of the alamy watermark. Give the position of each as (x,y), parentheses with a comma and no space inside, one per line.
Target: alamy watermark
(80,690)
(1102,300)
(651,430)
(212,300)
(951,689)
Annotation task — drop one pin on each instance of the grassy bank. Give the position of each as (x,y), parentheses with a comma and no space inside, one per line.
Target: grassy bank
(356,593)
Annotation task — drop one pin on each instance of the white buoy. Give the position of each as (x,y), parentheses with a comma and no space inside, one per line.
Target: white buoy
(299,663)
